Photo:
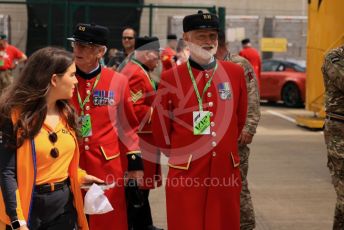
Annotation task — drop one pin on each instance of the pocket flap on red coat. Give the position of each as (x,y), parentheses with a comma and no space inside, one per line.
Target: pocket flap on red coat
(108,152)
(235,159)
(177,163)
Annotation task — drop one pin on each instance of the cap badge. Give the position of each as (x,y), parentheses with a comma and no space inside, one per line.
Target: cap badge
(207,16)
(82,28)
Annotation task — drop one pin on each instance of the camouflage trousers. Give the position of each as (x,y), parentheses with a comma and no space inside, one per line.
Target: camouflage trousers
(247,219)
(334,139)
(5,79)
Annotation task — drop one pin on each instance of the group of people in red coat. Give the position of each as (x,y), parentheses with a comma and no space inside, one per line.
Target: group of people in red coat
(193,115)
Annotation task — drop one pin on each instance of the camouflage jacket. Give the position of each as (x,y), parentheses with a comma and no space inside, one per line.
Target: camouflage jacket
(253,111)
(333,72)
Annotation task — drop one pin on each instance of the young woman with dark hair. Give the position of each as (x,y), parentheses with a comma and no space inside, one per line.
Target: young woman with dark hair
(39,157)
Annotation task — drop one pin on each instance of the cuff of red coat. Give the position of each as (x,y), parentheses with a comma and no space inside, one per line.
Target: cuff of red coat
(135,162)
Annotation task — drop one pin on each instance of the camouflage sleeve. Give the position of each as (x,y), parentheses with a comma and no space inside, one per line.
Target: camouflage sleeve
(333,67)
(253,111)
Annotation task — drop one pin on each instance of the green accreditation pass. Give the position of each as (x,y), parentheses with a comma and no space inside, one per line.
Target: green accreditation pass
(201,122)
(2,62)
(86,125)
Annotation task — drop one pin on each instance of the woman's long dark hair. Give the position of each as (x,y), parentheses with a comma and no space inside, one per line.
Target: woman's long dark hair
(28,92)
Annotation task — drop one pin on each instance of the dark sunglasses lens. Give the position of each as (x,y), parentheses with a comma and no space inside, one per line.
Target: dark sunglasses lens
(129,38)
(54,152)
(53,137)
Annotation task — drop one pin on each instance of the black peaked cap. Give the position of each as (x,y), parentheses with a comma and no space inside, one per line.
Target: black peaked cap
(90,33)
(200,21)
(147,43)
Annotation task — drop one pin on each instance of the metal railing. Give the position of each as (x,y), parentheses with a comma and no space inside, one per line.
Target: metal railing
(70,8)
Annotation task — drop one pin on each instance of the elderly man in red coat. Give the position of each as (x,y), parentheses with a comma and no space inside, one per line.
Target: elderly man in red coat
(199,114)
(107,117)
(142,90)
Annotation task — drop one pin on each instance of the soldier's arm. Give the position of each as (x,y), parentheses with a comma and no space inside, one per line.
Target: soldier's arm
(334,66)
(253,98)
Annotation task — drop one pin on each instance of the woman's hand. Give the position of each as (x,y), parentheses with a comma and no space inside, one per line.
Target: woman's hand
(89,179)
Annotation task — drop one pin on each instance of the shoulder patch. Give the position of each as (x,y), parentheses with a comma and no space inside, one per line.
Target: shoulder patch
(250,76)
(335,59)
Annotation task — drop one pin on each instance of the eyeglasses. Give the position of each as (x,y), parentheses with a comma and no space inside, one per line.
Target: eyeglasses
(127,38)
(54,152)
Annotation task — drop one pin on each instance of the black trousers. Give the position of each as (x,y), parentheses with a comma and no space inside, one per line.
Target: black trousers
(53,211)
(140,218)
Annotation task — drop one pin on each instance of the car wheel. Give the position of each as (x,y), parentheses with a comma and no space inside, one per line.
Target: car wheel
(291,95)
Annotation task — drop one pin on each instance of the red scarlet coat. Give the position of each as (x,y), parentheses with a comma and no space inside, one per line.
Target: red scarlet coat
(252,55)
(99,153)
(142,91)
(8,55)
(203,183)
(167,60)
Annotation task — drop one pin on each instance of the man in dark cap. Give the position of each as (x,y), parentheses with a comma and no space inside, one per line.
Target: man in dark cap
(199,114)
(8,55)
(252,55)
(142,90)
(168,54)
(107,116)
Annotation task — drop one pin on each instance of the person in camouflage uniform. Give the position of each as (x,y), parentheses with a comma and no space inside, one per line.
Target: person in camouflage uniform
(333,72)
(247,218)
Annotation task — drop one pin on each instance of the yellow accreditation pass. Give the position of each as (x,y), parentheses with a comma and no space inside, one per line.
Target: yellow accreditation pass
(201,122)
(86,125)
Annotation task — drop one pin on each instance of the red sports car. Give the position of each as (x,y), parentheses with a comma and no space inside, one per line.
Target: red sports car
(283,81)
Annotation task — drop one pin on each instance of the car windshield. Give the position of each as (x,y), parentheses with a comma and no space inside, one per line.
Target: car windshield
(298,68)
(269,65)
(275,65)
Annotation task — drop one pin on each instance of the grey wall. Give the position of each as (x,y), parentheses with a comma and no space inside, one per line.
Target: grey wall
(18,23)
(233,7)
